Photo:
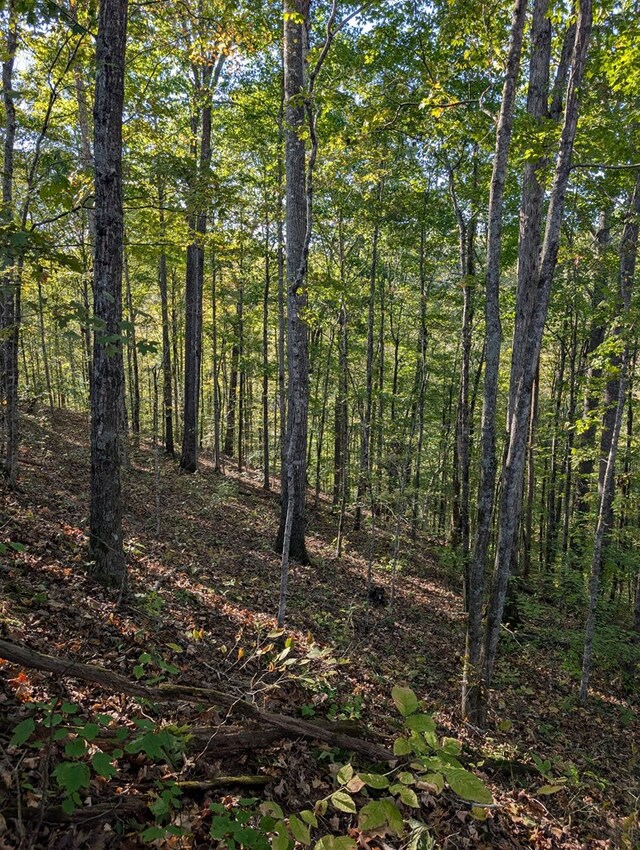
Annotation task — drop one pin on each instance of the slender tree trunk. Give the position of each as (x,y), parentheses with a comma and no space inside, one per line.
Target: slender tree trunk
(323,419)
(423,380)
(568,455)
(365,436)
(342,460)
(266,471)
(229,439)
(531,480)
(471,676)
(540,283)
(206,80)
(282,395)
(107,377)
(167,398)
(133,354)
(291,533)
(552,528)
(611,434)
(43,345)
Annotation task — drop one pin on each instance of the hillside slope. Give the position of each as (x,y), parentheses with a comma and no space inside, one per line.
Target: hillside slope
(201,605)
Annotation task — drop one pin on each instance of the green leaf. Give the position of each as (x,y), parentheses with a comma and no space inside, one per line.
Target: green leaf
(421,723)
(22,732)
(393,816)
(374,780)
(101,763)
(75,748)
(469,787)
(343,801)
(271,808)
(344,774)
(401,747)
(550,789)
(335,842)
(451,746)
(434,779)
(68,805)
(72,776)
(281,840)
(406,795)
(405,699)
(299,830)
(372,816)
(152,833)
(90,731)
(406,778)
(308,817)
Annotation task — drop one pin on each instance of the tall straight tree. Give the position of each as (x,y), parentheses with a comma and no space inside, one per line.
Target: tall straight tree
(471,674)
(628,257)
(205,78)
(539,284)
(296,16)
(8,324)
(107,373)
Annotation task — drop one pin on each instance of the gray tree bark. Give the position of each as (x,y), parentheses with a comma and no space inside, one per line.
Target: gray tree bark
(471,674)
(628,254)
(8,323)
(107,375)
(291,532)
(520,412)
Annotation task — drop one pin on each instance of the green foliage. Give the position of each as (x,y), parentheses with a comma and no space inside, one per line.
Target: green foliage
(395,810)
(82,757)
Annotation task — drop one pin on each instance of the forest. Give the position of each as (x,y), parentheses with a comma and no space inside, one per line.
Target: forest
(319,364)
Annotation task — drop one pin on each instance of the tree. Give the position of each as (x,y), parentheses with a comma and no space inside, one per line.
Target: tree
(106,545)
(291,533)
(471,676)
(539,284)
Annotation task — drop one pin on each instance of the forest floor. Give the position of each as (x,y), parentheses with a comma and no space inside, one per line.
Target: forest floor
(200,609)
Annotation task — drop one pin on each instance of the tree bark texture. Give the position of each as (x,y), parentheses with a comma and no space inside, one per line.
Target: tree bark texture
(107,375)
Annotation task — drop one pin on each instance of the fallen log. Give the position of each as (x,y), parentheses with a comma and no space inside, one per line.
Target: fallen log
(288,727)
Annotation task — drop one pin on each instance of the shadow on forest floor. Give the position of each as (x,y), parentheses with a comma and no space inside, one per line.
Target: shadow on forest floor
(208,584)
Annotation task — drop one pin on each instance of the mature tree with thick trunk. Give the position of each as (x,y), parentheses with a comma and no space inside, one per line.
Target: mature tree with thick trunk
(8,319)
(107,374)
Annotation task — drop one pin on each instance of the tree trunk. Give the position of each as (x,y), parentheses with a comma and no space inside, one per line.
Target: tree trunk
(8,384)
(471,674)
(266,470)
(134,381)
(107,375)
(298,223)
(365,436)
(206,79)
(215,368)
(540,284)
(167,398)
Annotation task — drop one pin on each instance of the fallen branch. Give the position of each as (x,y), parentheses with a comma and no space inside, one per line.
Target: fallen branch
(129,804)
(115,683)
